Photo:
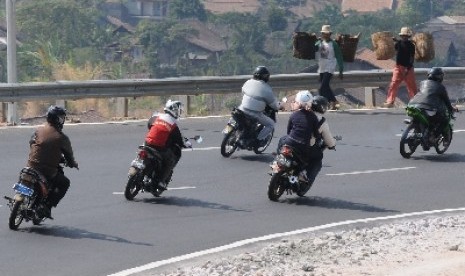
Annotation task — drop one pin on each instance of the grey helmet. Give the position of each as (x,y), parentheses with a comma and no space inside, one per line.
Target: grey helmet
(436,74)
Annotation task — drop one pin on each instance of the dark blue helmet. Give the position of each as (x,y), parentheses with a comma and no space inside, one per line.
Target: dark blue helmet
(56,116)
(261,73)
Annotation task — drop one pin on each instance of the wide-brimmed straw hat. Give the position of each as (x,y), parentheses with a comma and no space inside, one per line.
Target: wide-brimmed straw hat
(405,31)
(326,29)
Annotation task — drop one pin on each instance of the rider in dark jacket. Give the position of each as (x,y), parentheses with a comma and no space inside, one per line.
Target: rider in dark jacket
(48,145)
(302,125)
(433,96)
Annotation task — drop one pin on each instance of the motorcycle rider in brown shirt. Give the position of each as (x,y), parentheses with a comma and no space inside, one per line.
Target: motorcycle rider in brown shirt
(48,146)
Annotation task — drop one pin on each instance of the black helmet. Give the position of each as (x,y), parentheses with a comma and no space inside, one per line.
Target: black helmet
(320,104)
(261,73)
(436,74)
(56,116)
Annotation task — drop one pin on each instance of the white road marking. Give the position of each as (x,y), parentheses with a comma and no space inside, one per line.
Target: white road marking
(371,171)
(182,188)
(170,189)
(270,237)
(207,148)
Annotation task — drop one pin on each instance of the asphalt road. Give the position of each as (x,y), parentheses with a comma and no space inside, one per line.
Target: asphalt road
(217,200)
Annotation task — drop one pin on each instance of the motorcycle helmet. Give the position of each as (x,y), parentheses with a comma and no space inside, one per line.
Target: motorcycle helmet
(304,98)
(261,73)
(436,74)
(320,104)
(174,108)
(56,116)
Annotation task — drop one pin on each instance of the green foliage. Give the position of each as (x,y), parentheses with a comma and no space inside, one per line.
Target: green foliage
(181,9)
(418,11)
(276,19)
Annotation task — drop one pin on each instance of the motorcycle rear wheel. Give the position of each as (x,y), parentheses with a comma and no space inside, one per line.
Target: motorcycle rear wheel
(229,145)
(276,187)
(257,149)
(408,145)
(16,217)
(442,143)
(133,185)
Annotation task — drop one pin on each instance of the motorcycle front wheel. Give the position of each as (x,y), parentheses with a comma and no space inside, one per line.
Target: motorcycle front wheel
(259,148)
(443,142)
(228,145)
(408,144)
(133,185)
(16,217)
(276,187)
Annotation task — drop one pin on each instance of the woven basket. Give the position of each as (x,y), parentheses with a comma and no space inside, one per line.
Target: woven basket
(348,44)
(424,47)
(304,45)
(383,45)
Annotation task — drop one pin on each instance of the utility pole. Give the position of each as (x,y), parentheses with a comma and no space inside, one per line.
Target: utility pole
(12,116)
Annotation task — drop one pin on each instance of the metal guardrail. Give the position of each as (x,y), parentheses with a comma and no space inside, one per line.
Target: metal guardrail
(67,90)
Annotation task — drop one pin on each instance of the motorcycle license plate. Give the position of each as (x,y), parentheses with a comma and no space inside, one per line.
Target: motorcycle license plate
(137,164)
(227,129)
(23,189)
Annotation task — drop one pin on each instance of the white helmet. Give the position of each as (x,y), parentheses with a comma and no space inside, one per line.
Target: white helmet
(174,108)
(304,98)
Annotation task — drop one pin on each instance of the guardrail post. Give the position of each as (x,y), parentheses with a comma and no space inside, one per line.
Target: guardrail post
(122,107)
(186,100)
(370,98)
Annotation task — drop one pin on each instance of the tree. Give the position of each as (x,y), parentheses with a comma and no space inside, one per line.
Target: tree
(276,19)
(181,9)
(66,23)
(164,44)
(418,11)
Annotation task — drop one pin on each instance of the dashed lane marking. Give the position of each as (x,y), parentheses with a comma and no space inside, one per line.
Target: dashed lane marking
(169,189)
(371,171)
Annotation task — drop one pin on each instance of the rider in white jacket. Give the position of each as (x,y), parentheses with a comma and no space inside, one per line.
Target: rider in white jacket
(257,95)
(319,106)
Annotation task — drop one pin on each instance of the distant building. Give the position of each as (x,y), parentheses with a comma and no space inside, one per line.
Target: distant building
(370,5)
(224,6)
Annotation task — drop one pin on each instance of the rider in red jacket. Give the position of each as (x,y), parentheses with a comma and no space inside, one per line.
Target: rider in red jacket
(164,136)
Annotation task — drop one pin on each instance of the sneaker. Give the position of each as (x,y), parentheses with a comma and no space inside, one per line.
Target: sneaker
(162,185)
(45,211)
(388,105)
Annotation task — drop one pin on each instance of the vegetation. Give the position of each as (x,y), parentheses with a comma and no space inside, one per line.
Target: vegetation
(57,33)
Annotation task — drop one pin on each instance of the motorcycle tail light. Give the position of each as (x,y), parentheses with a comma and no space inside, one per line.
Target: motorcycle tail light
(142,154)
(286,151)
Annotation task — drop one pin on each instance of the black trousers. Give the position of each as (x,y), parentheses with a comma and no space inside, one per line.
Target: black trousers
(325,90)
(60,185)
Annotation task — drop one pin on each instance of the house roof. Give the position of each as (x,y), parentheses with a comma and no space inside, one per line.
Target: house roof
(205,37)
(367,6)
(224,6)
(310,7)
(452,19)
(367,55)
(120,24)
